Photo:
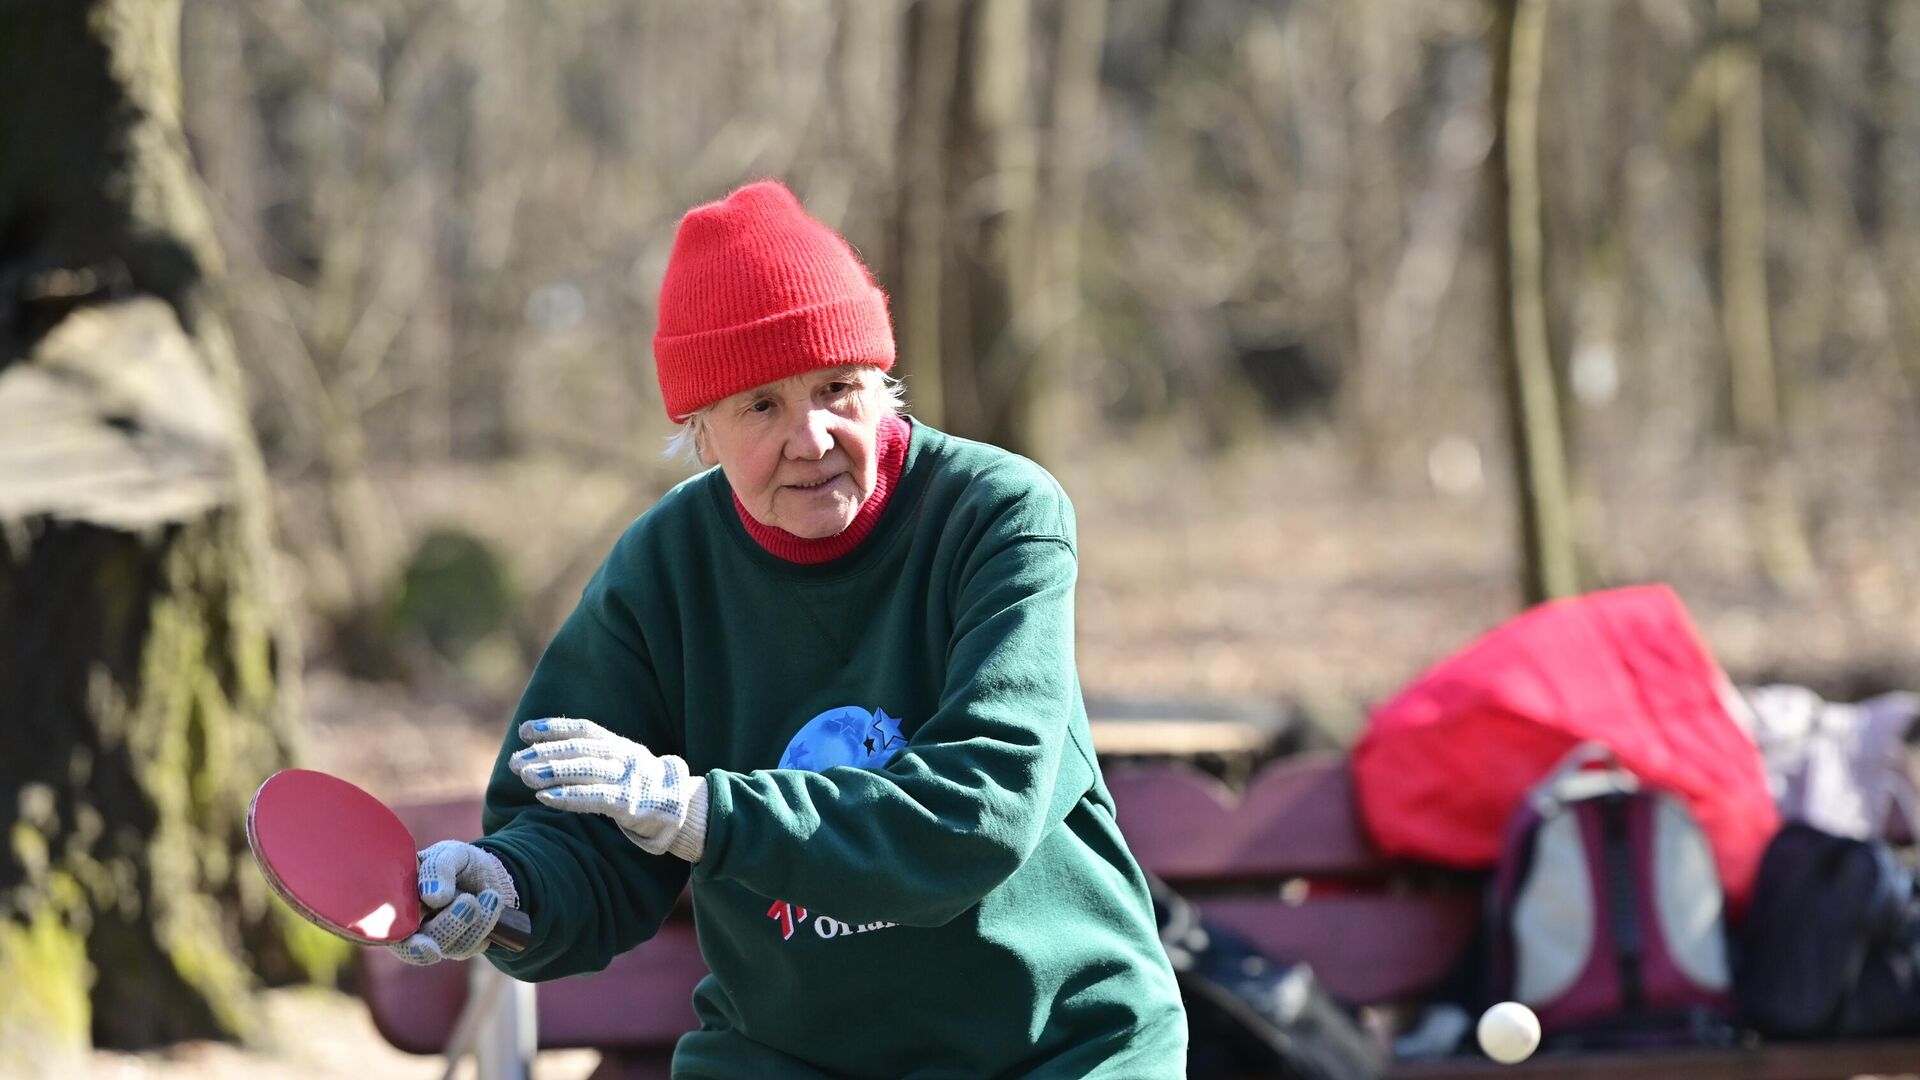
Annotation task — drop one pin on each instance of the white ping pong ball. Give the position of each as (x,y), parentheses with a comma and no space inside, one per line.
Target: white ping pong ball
(1509,1032)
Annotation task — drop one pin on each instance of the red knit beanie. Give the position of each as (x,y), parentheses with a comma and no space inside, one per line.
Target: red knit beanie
(757,291)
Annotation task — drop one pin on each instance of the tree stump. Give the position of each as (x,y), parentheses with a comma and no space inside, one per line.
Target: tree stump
(140,668)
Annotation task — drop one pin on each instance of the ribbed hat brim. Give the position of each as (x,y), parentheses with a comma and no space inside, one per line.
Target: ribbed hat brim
(854,330)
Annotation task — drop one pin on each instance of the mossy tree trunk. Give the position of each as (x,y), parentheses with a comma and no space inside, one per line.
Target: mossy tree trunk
(140,669)
(1549,565)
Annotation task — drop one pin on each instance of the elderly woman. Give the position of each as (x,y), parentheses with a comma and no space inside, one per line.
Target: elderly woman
(833,678)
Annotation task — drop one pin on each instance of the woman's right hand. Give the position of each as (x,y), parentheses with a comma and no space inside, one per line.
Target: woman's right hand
(469,885)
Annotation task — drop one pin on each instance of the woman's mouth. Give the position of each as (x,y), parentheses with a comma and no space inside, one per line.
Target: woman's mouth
(816,485)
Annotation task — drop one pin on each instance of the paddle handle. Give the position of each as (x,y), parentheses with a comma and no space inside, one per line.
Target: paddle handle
(514,931)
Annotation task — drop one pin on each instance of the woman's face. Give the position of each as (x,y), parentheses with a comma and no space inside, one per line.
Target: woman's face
(800,452)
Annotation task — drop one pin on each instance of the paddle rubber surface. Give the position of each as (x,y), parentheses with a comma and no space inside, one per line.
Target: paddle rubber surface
(337,855)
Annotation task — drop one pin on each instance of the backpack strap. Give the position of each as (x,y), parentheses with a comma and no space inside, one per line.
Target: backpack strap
(1623,909)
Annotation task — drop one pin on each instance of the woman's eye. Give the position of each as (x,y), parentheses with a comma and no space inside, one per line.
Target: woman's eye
(760,406)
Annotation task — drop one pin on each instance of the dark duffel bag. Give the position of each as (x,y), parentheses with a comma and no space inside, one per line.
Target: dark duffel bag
(1831,942)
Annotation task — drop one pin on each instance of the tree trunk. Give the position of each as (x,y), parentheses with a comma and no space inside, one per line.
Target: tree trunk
(1070,148)
(968,251)
(992,364)
(1897,115)
(139,663)
(1773,508)
(1549,566)
(920,256)
(1373,229)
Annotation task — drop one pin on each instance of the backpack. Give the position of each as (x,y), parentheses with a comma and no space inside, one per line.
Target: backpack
(1249,1014)
(1831,945)
(1442,765)
(1605,913)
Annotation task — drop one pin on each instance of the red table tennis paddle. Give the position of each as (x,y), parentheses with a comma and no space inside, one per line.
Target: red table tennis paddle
(345,862)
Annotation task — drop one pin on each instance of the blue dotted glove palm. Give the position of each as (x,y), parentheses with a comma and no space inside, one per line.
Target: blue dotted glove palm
(579,766)
(469,885)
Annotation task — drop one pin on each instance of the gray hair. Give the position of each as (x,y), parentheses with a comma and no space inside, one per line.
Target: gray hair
(687,437)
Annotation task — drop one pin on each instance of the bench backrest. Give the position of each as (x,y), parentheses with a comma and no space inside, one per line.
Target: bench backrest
(1286,863)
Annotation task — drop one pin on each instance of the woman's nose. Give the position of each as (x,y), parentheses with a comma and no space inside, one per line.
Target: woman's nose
(814,436)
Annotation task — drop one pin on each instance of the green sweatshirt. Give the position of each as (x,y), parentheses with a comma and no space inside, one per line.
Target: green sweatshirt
(967,909)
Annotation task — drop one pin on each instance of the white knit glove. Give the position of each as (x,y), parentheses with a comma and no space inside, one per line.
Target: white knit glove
(578,765)
(471,884)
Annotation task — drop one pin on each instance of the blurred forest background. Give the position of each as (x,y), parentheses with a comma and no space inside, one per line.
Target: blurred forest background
(1351,326)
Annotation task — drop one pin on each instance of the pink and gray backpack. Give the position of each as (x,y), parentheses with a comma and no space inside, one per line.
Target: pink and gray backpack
(1606,912)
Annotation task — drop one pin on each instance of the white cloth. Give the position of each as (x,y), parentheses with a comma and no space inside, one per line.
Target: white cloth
(579,766)
(1846,769)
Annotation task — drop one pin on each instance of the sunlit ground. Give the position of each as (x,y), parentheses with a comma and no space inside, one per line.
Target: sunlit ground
(315,1035)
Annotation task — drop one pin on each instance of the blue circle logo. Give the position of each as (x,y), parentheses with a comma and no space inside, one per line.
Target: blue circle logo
(848,735)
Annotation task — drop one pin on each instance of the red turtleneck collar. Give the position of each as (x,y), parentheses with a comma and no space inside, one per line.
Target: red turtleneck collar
(890,444)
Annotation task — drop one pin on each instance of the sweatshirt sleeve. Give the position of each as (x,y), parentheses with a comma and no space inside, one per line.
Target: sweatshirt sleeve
(973,793)
(590,892)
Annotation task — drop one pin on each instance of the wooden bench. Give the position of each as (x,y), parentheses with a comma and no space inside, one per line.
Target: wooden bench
(1284,862)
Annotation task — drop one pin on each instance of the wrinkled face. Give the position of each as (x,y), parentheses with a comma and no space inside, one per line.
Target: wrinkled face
(800,452)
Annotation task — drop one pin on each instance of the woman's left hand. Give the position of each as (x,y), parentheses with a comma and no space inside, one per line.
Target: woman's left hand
(579,766)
